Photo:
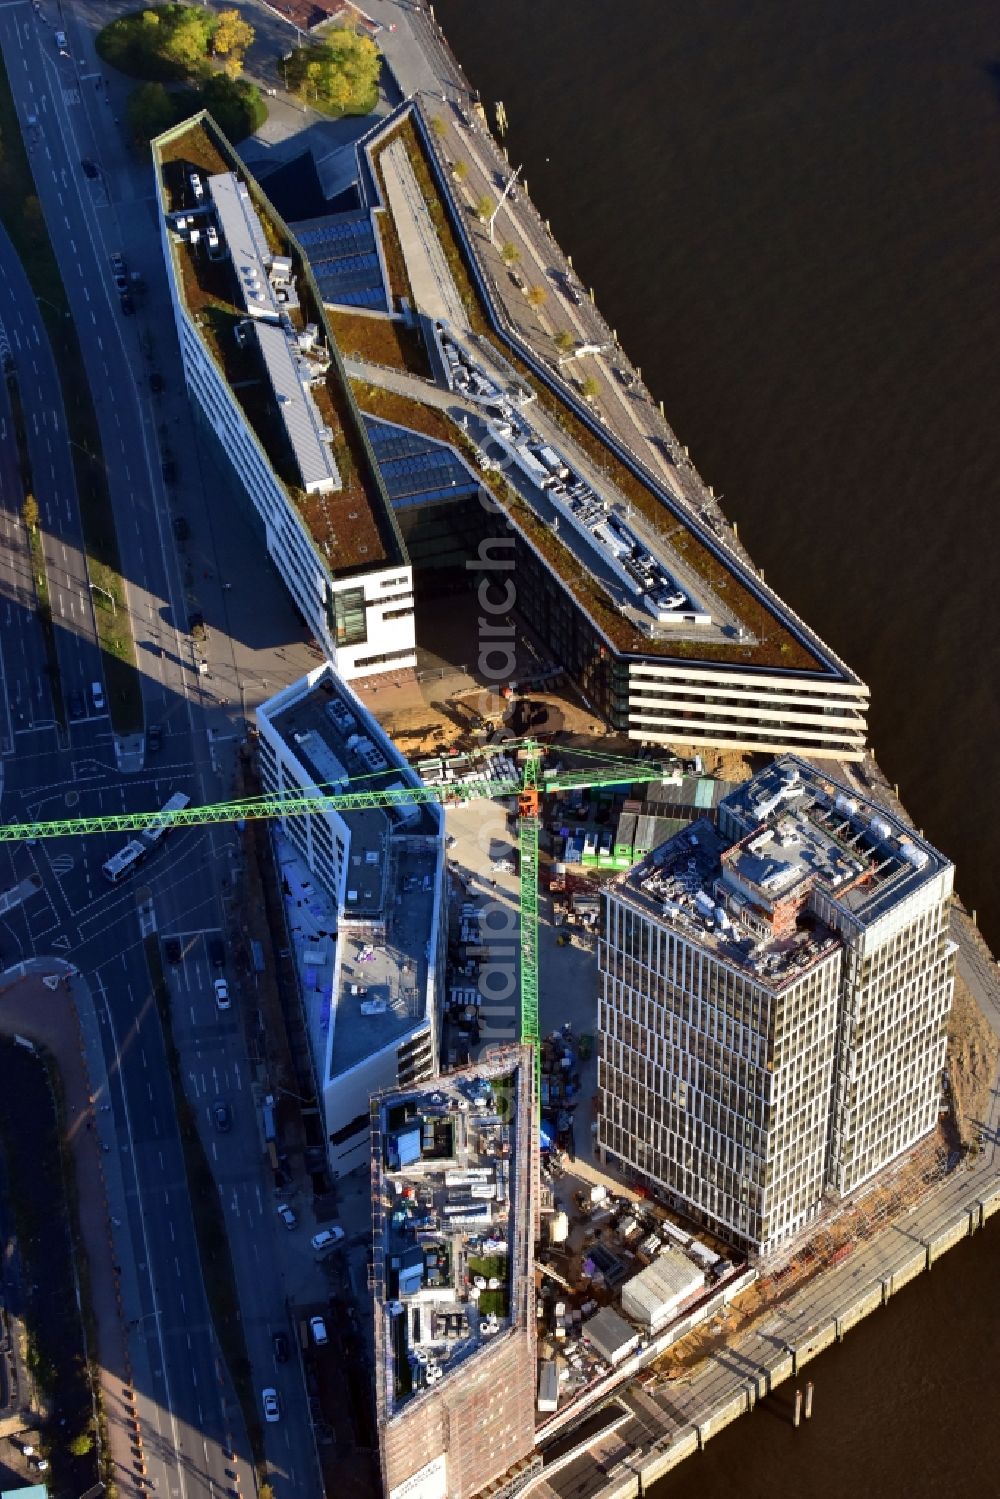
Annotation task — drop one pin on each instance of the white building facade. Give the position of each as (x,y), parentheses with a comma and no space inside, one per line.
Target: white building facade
(377,1027)
(362,618)
(774,1005)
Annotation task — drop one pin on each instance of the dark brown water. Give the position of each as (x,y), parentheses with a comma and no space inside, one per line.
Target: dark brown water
(791,214)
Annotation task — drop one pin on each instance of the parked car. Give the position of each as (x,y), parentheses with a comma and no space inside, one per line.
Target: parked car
(517,279)
(272,1404)
(156,383)
(154,738)
(90,169)
(216,951)
(61,42)
(75,705)
(286,1215)
(221,1116)
(327,1238)
(128,306)
(222,994)
(172,949)
(318,1329)
(279,1342)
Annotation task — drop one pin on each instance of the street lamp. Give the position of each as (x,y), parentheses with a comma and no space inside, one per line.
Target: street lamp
(96,588)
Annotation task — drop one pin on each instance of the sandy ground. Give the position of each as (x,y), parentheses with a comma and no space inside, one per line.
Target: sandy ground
(971,1061)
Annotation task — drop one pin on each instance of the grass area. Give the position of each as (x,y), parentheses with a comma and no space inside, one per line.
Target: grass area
(56,1313)
(22,216)
(775,645)
(381,340)
(36,551)
(209,1221)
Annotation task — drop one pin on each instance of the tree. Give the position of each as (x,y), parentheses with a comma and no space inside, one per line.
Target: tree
(590,389)
(339,74)
(537,296)
(565,340)
(438,127)
(233,35)
(460,171)
(187,42)
(235,104)
(150,111)
(509,253)
(484,207)
(81,1444)
(29,512)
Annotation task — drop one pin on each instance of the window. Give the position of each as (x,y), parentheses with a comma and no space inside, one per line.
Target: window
(350,624)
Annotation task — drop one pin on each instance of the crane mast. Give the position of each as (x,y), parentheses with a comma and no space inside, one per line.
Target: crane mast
(529,789)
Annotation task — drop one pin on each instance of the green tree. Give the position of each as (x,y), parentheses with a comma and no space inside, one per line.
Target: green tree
(590,389)
(460,171)
(150,24)
(484,207)
(509,253)
(150,111)
(565,340)
(81,1444)
(186,44)
(340,73)
(29,512)
(537,296)
(235,104)
(438,127)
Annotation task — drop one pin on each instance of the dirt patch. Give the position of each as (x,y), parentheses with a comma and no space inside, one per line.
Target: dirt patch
(971,1060)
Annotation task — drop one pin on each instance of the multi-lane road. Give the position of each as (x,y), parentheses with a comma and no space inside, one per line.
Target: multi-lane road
(195,1440)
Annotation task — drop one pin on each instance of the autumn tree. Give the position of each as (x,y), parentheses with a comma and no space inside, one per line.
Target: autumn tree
(29,512)
(509,253)
(590,389)
(484,207)
(565,340)
(537,296)
(233,36)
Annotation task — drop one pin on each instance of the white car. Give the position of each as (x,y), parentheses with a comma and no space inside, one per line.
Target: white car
(318,1329)
(286,1215)
(327,1238)
(222,994)
(272,1404)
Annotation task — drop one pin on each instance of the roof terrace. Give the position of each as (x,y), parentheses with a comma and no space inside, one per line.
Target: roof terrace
(450,1174)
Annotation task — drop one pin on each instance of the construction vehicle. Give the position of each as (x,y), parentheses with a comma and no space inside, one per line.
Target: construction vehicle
(534,782)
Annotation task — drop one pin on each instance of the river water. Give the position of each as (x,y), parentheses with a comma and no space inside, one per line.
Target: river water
(791,215)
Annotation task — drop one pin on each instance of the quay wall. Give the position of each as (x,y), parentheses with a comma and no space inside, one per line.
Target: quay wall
(858,1303)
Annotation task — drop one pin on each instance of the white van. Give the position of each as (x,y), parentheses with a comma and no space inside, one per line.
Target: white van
(97,693)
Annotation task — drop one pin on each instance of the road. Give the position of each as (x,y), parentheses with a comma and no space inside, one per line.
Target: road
(254,646)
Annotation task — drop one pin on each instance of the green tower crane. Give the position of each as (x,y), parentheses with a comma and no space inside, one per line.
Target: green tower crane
(529,788)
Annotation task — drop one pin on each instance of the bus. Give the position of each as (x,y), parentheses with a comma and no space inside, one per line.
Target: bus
(124,862)
(151,836)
